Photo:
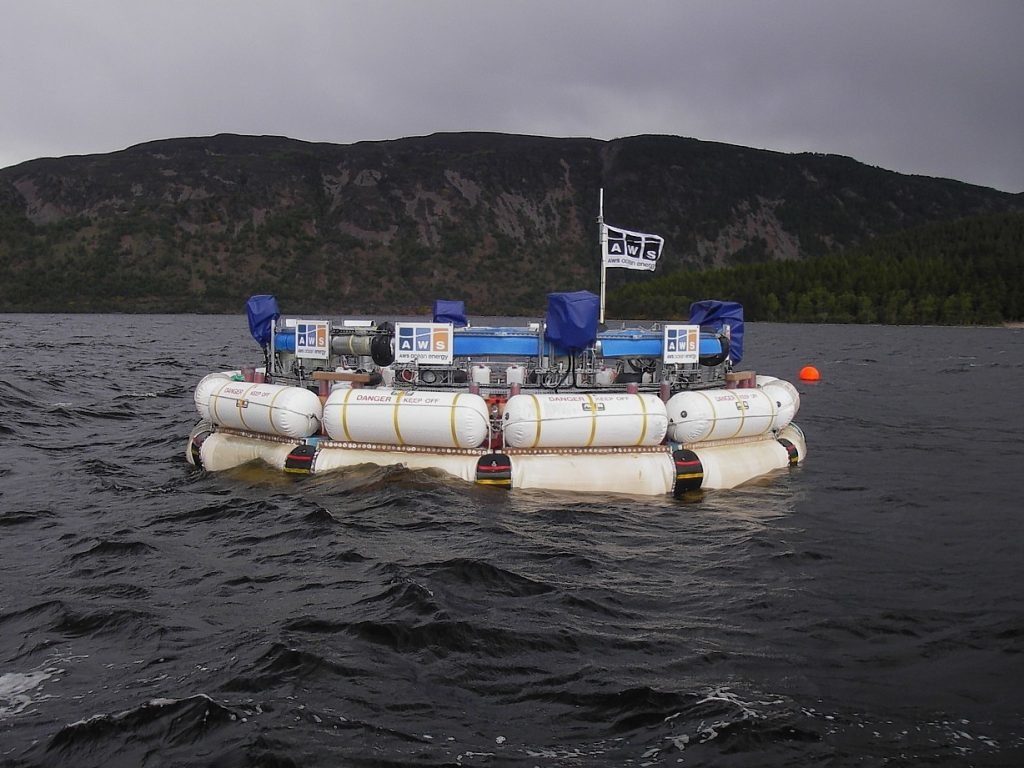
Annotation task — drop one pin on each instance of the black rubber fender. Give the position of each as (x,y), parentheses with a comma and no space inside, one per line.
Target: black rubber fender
(494,469)
(300,460)
(794,454)
(689,471)
(195,443)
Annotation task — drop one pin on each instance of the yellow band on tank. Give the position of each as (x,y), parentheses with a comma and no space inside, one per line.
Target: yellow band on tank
(214,396)
(270,415)
(741,407)
(240,404)
(593,419)
(344,415)
(398,433)
(711,405)
(536,405)
(455,436)
(643,430)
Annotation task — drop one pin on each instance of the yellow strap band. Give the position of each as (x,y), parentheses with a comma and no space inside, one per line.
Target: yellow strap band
(741,407)
(711,404)
(213,400)
(455,436)
(344,415)
(593,419)
(270,415)
(238,405)
(536,405)
(643,409)
(398,434)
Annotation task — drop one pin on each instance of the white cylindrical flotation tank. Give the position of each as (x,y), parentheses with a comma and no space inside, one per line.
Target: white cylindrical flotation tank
(208,384)
(398,417)
(720,414)
(584,420)
(223,450)
(269,408)
(787,398)
(634,473)
(460,465)
(727,465)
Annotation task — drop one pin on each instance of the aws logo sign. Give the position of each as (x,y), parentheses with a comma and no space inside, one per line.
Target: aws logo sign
(681,344)
(424,339)
(312,338)
(423,343)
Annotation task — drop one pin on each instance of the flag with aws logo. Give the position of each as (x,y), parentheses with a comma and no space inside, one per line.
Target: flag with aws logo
(631,250)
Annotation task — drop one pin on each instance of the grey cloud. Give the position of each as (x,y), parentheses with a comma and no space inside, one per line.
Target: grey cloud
(919,86)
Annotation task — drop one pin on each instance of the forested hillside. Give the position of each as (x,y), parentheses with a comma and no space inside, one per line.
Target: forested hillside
(964,272)
(497,220)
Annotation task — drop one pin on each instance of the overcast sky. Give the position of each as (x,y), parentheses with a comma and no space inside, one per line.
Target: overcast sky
(930,87)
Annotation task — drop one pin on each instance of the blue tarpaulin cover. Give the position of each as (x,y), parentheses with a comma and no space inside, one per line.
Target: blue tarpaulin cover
(572,320)
(716,314)
(453,312)
(262,311)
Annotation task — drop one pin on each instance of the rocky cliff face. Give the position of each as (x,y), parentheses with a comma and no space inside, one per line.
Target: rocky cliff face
(497,220)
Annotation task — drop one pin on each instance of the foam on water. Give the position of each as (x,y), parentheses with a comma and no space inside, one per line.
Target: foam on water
(16,687)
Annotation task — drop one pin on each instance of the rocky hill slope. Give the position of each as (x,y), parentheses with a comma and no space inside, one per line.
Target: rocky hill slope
(199,224)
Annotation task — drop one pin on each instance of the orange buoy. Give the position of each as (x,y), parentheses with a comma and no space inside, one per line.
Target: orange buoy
(809,373)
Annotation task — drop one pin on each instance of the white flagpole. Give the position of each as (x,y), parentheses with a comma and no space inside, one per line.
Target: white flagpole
(603,237)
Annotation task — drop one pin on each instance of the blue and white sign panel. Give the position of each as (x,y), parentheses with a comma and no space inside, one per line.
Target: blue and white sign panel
(428,343)
(681,345)
(313,338)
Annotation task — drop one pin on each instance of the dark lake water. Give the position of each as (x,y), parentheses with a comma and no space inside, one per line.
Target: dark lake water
(863,609)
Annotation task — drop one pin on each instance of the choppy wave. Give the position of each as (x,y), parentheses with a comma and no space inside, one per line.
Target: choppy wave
(861,609)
